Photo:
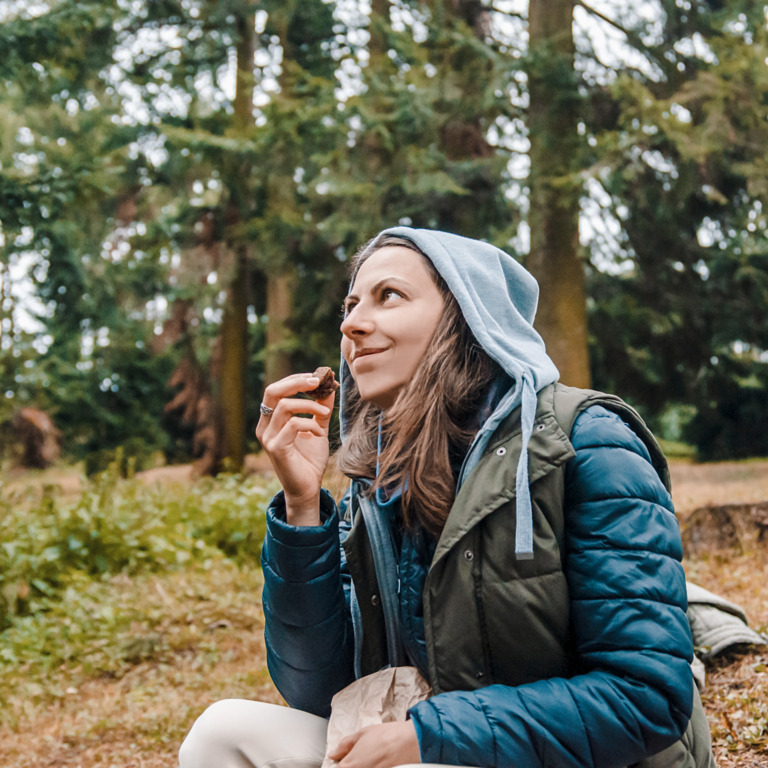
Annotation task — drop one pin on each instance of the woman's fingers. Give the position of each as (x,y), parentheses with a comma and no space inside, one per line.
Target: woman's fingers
(327,403)
(298,450)
(282,391)
(294,433)
(344,746)
(275,392)
(293,429)
(290,408)
(290,385)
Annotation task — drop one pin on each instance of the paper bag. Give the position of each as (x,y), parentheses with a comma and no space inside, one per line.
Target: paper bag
(383,697)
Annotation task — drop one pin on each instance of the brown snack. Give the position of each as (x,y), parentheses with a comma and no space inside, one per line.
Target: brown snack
(327,383)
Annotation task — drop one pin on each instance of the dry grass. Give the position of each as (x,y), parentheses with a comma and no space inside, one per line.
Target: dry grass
(67,481)
(188,639)
(126,695)
(727,482)
(736,694)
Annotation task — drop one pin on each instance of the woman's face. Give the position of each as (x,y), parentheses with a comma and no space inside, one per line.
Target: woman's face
(390,316)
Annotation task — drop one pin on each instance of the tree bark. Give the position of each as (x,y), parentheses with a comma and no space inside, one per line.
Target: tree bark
(279,339)
(232,376)
(378,26)
(554,214)
(234,327)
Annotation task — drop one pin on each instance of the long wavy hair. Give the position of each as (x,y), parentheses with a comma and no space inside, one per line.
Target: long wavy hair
(427,430)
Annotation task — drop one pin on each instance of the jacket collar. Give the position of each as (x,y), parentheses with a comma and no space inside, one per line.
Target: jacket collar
(492,482)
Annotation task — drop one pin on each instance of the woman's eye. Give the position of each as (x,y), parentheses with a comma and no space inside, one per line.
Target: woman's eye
(389,293)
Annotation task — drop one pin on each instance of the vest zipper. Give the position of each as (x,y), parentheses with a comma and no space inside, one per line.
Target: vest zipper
(485,676)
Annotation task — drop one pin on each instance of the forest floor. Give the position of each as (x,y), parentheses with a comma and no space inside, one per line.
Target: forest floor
(146,654)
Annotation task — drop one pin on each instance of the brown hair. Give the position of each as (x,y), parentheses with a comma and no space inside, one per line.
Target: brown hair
(432,421)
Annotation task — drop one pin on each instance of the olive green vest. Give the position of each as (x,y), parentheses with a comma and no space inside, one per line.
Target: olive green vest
(474,585)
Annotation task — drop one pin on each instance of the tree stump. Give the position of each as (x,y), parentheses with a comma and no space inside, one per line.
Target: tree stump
(40,439)
(736,527)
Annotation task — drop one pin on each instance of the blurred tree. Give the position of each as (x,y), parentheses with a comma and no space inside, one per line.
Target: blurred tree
(555,187)
(301,125)
(68,164)
(418,149)
(684,321)
(38,436)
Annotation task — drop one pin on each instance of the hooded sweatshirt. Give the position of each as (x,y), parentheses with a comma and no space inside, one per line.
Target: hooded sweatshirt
(498,298)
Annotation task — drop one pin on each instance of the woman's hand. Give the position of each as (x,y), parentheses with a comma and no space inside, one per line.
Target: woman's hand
(295,437)
(379,746)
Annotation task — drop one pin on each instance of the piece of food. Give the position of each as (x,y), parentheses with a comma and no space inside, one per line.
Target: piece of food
(327,383)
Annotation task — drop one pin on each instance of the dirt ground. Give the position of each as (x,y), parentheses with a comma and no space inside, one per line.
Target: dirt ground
(138,718)
(723,513)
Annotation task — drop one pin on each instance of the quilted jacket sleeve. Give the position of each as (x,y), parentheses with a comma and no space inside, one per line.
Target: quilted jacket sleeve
(633,695)
(308,629)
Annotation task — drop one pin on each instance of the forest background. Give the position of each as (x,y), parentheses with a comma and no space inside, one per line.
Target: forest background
(182,184)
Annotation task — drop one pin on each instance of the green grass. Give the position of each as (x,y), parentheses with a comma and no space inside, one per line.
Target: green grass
(126,609)
(677,450)
(117,668)
(120,526)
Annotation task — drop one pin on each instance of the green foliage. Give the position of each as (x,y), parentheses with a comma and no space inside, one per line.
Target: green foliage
(179,625)
(121,527)
(684,320)
(75,35)
(69,164)
(417,149)
(114,402)
(131,171)
(730,417)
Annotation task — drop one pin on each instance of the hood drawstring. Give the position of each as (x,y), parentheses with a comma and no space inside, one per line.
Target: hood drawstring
(524,511)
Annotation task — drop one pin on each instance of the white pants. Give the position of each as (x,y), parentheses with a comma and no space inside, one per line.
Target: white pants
(235,733)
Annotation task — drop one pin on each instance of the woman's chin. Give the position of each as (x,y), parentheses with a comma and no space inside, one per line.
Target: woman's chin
(376,396)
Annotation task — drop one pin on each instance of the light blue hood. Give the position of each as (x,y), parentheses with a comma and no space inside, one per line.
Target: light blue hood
(498,298)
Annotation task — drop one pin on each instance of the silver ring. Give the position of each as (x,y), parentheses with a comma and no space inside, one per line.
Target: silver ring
(265,410)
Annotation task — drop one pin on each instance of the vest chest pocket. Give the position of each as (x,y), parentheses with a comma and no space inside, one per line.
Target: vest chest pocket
(490,618)
(527,624)
(455,627)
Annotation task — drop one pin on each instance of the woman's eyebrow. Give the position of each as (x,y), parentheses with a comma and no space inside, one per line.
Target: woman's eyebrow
(388,280)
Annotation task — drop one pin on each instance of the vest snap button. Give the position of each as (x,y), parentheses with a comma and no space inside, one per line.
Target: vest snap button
(468,554)
(501,451)
(479,675)
(374,600)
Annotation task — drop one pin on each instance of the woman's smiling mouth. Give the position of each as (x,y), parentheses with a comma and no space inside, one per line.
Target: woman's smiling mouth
(367,352)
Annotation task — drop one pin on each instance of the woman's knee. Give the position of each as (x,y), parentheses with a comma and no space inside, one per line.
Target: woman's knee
(237,733)
(214,736)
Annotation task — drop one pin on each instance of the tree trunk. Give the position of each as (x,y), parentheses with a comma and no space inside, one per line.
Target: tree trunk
(234,327)
(378,26)
(280,290)
(232,373)
(554,215)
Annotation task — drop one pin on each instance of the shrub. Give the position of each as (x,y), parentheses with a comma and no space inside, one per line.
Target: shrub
(122,526)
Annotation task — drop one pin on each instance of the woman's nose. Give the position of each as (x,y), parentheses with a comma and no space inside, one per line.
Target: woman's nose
(357,322)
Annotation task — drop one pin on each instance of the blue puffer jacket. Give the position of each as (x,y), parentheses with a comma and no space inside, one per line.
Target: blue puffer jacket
(633,694)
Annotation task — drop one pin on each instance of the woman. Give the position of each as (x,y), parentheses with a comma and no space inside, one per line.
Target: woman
(511,538)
